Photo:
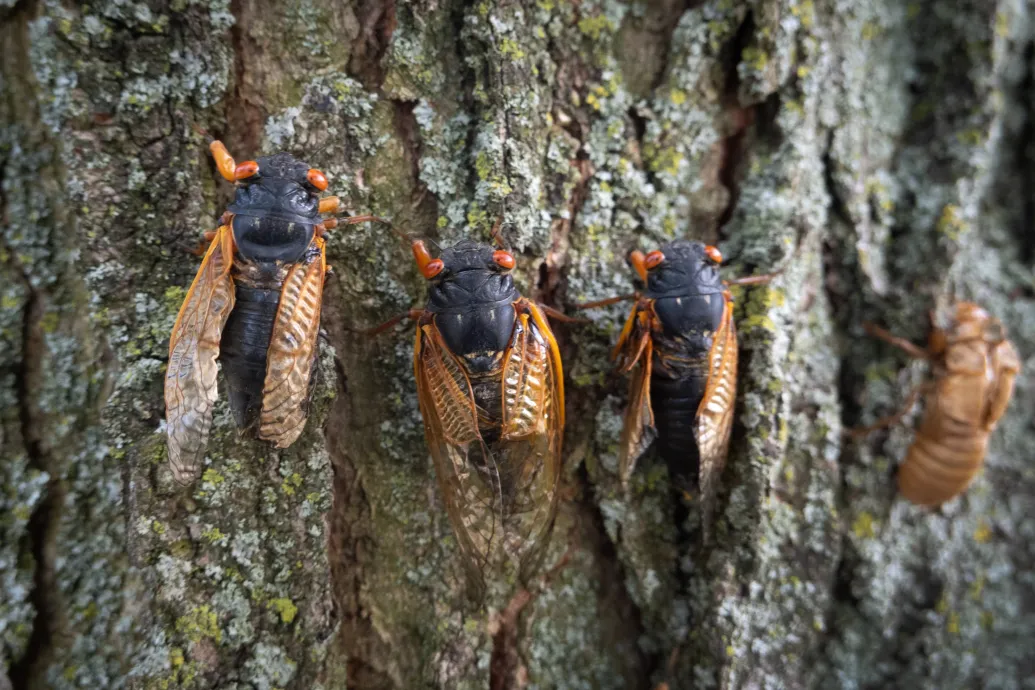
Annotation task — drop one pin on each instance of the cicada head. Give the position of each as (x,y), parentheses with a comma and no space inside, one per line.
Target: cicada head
(680,267)
(277,208)
(279,187)
(468,273)
(971,322)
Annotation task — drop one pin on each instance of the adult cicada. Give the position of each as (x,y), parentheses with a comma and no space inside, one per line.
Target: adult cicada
(974,368)
(254,307)
(491,393)
(680,344)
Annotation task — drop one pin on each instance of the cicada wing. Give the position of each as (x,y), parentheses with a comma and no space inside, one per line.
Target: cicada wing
(191,377)
(470,489)
(714,418)
(635,351)
(290,358)
(528,454)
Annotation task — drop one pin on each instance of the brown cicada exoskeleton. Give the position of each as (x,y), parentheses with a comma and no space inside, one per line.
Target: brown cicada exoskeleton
(974,371)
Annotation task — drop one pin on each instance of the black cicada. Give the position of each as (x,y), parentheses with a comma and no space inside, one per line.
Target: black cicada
(680,344)
(254,306)
(491,393)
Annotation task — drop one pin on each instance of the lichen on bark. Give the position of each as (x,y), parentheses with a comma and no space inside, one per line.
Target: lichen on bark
(877,152)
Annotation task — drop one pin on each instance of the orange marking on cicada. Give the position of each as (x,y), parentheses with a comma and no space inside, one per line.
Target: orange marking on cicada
(653,260)
(317,179)
(245,170)
(503,259)
(329,204)
(713,253)
(428,266)
(224,161)
(639,264)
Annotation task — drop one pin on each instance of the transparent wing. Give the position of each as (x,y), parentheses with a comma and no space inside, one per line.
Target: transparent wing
(714,418)
(289,362)
(529,451)
(635,352)
(191,377)
(469,489)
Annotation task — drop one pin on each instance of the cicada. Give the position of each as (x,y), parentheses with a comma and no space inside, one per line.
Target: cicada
(974,368)
(254,307)
(680,345)
(491,393)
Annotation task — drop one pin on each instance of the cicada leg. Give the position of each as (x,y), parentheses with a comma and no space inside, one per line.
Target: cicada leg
(763,279)
(606,302)
(892,419)
(352,220)
(901,343)
(203,244)
(557,315)
(412,314)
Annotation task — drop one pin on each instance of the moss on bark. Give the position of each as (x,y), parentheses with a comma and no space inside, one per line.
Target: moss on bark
(878,151)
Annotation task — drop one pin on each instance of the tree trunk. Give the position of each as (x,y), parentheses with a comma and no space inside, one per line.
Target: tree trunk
(879,152)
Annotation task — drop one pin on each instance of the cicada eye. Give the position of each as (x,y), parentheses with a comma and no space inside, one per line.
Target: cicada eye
(245,170)
(653,259)
(317,179)
(713,253)
(504,260)
(432,268)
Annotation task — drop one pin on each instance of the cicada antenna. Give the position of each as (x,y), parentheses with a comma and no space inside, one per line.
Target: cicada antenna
(497,236)
(406,238)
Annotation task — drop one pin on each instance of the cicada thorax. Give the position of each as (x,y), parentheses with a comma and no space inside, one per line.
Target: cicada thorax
(474,312)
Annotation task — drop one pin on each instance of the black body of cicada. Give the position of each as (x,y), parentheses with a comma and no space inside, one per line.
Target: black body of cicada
(688,301)
(680,345)
(254,307)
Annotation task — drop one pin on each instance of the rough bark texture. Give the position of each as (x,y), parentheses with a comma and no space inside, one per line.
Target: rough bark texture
(880,150)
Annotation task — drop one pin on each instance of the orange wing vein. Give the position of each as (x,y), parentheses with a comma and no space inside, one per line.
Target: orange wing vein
(501,497)
(529,453)
(451,428)
(635,351)
(190,380)
(714,418)
(290,360)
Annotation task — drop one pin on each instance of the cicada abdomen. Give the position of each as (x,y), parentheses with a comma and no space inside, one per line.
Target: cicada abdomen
(254,307)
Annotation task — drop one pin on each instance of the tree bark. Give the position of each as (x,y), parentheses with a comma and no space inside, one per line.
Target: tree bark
(880,153)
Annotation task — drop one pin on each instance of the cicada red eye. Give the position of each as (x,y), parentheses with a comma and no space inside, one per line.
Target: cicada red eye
(245,170)
(653,259)
(503,259)
(317,179)
(432,268)
(713,253)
